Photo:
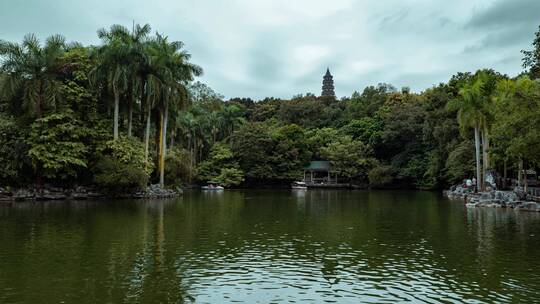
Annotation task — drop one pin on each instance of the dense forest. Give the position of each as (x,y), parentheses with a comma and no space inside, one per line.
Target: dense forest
(128,112)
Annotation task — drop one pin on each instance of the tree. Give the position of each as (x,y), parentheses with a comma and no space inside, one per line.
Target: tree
(14,162)
(33,69)
(221,167)
(122,167)
(320,138)
(471,113)
(56,147)
(517,127)
(251,145)
(137,62)
(531,59)
(174,71)
(113,67)
(366,129)
(350,158)
(231,117)
(460,162)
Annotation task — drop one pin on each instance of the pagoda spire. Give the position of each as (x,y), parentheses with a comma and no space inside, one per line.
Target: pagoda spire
(328,85)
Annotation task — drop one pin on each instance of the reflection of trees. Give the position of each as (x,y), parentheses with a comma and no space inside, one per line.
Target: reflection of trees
(173,250)
(502,240)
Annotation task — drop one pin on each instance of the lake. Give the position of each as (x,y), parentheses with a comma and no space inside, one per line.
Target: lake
(269,246)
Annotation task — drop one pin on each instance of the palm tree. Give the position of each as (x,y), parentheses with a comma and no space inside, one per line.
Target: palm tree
(32,69)
(135,41)
(153,93)
(113,66)
(471,113)
(186,124)
(231,117)
(174,72)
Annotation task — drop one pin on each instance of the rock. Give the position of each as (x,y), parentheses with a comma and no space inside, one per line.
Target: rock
(52,196)
(94,195)
(529,206)
(23,194)
(79,195)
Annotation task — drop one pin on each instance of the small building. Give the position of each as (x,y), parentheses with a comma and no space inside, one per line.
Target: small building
(320,172)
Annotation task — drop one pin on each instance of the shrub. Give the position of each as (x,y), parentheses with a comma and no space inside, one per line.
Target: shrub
(14,162)
(221,167)
(230,177)
(380,176)
(123,167)
(178,169)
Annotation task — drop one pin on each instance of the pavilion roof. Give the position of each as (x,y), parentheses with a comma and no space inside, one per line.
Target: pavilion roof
(319,165)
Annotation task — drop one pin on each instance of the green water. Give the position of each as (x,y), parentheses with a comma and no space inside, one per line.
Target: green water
(268,246)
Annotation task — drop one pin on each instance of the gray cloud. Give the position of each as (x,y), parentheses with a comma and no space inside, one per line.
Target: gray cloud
(502,14)
(282,48)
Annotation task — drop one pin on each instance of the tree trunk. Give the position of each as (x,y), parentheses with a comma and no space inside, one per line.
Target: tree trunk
(520,172)
(171,145)
(477,148)
(525,181)
(130,115)
(485,160)
(504,175)
(147,132)
(39,106)
(163,149)
(116,110)
(160,146)
(39,114)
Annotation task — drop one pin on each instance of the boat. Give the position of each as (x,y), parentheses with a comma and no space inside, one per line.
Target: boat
(214,186)
(299,186)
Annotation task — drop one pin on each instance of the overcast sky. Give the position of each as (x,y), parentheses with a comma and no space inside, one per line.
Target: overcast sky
(259,48)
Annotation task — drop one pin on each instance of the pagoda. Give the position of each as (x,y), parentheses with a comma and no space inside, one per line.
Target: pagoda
(328,85)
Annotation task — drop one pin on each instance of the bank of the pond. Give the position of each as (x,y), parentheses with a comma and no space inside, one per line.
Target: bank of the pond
(516,199)
(81,193)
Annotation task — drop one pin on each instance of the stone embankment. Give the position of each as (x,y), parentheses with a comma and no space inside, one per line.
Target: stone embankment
(516,199)
(80,193)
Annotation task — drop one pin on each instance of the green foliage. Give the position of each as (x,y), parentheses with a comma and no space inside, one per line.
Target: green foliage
(230,177)
(517,119)
(220,156)
(366,129)
(58,102)
(178,170)
(114,176)
(221,167)
(290,152)
(320,138)
(253,145)
(310,111)
(55,146)
(380,176)
(350,158)
(369,102)
(123,166)
(13,152)
(531,59)
(460,162)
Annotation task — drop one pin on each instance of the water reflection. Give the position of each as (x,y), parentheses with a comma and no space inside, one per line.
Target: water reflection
(268,246)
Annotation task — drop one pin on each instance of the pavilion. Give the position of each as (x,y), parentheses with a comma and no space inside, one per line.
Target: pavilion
(319,172)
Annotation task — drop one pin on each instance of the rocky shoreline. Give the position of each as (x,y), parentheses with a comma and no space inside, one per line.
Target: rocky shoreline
(48,193)
(516,199)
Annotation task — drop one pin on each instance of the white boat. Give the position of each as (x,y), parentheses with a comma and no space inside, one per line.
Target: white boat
(299,186)
(212,186)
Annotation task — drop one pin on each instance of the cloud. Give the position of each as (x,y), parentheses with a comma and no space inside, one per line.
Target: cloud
(281,47)
(504,14)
